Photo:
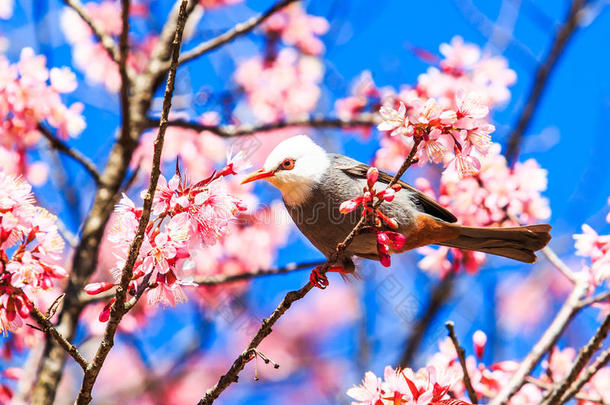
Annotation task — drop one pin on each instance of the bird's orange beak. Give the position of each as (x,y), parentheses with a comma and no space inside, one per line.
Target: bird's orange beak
(257,175)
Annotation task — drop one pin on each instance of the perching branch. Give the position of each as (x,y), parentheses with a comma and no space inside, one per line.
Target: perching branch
(64,148)
(104,39)
(605,296)
(462,357)
(584,355)
(547,386)
(229,131)
(291,297)
(118,309)
(558,263)
(47,327)
(228,36)
(569,309)
(563,35)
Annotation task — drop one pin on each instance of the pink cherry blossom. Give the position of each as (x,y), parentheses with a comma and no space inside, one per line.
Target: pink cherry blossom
(297,28)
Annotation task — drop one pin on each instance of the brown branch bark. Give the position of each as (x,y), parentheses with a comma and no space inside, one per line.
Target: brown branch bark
(76,155)
(119,307)
(547,386)
(47,327)
(569,309)
(601,361)
(462,358)
(562,36)
(229,131)
(555,397)
(228,36)
(104,39)
(291,297)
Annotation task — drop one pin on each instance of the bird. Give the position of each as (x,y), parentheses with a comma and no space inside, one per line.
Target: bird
(314,183)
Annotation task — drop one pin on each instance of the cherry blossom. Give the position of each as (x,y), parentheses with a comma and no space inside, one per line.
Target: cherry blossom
(30,248)
(496,196)
(285,87)
(297,28)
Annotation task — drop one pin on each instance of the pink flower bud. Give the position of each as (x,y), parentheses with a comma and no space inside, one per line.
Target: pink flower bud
(96,288)
(382,238)
(387,194)
(13,373)
(348,206)
(371,176)
(397,240)
(479,339)
(384,259)
(105,314)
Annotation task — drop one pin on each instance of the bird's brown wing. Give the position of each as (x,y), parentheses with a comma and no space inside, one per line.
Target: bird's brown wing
(428,205)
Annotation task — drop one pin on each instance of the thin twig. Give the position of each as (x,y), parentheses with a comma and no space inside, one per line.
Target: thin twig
(64,148)
(462,357)
(562,36)
(118,309)
(601,361)
(548,339)
(605,296)
(47,327)
(125,80)
(438,297)
(291,297)
(584,355)
(104,39)
(558,263)
(229,131)
(228,36)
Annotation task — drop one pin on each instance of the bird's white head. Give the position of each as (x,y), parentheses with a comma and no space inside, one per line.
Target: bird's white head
(294,166)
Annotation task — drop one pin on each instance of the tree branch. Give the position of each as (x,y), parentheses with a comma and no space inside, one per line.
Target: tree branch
(602,360)
(125,81)
(229,131)
(569,309)
(562,36)
(47,327)
(104,39)
(558,263)
(462,357)
(605,296)
(119,308)
(547,386)
(64,148)
(291,297)
(228,36)
(584,355)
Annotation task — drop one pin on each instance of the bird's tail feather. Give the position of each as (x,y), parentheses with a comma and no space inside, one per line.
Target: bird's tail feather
(518,243)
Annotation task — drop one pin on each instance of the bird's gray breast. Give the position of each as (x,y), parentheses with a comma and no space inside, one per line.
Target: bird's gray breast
(319,219)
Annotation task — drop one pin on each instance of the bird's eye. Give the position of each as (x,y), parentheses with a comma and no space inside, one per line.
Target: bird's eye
(288,164)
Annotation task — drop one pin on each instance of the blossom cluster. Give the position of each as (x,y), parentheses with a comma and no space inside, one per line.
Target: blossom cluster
(499,195)
(30,94)
(443,371)
(183,216)
(284,81)
(596,248)
(386,240)
(427,386)
(297,28)
(448,108)
(90,56)
(286,86)
(30,248)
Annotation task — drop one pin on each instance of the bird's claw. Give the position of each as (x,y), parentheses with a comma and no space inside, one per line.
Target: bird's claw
(317,279)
